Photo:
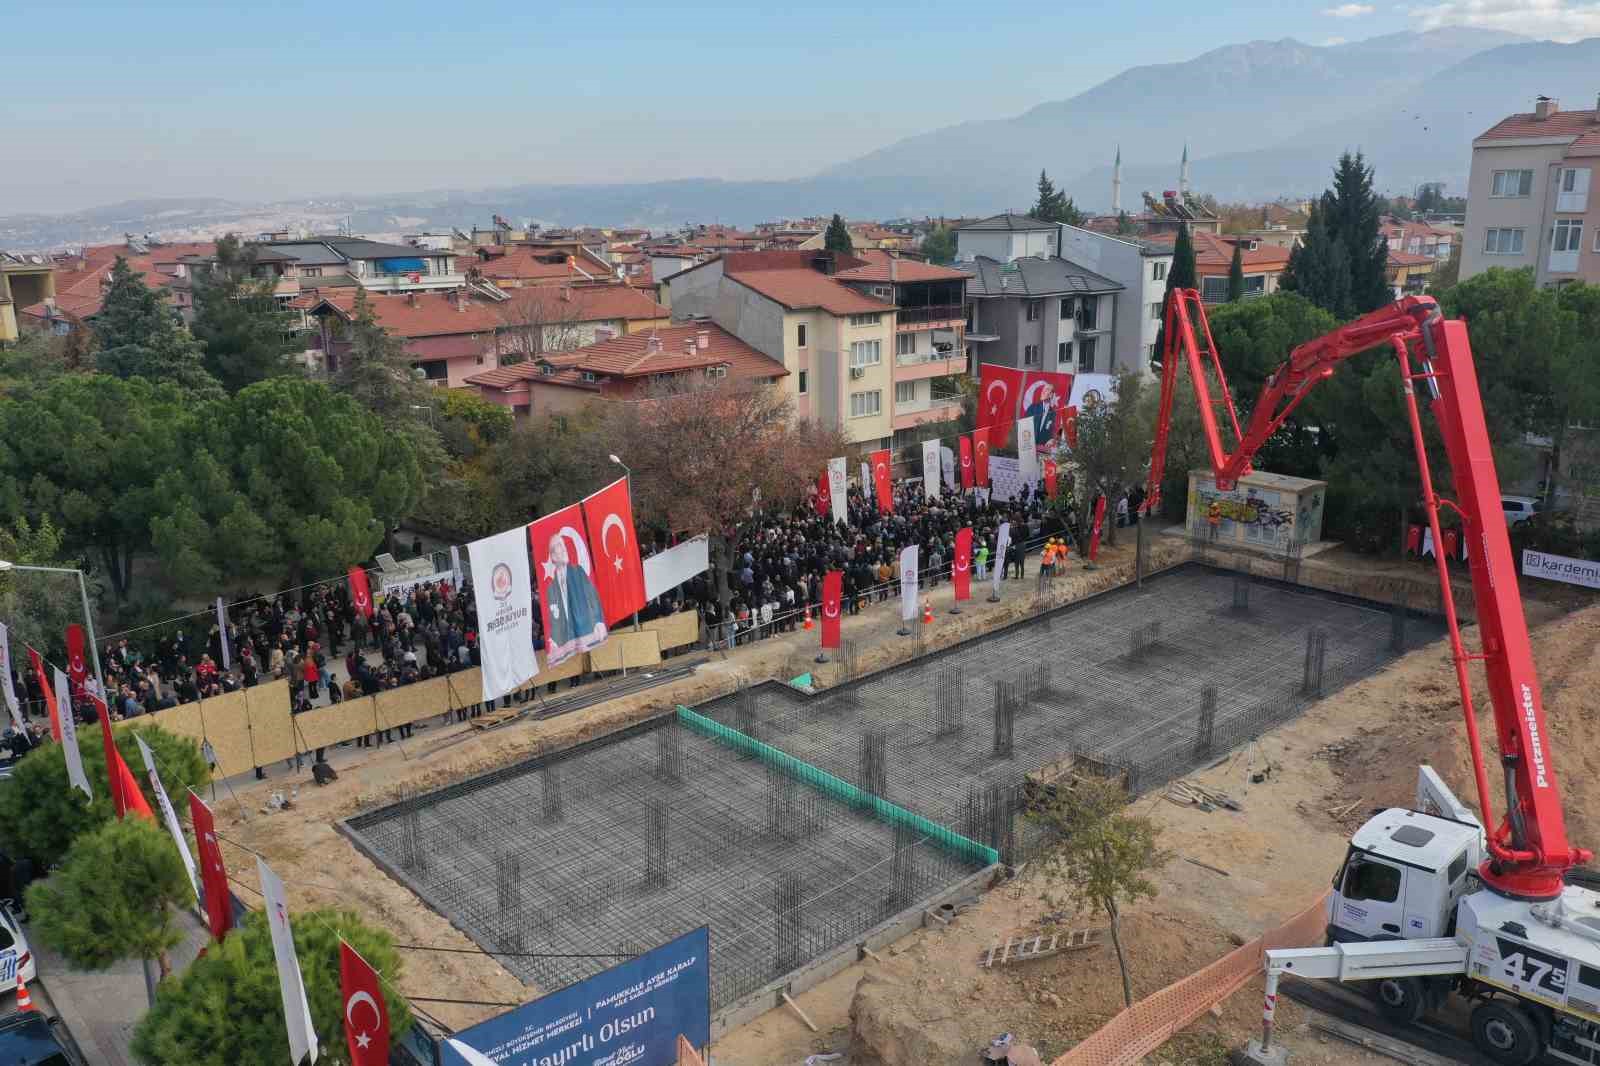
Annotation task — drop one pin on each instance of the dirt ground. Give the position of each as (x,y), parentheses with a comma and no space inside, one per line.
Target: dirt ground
(1352,752)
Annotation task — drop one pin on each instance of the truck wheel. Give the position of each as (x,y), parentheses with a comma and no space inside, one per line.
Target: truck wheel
(1505,1033)
(1400,999)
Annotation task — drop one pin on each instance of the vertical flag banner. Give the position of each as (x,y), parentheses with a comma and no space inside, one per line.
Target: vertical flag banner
(169,816)
(49,696)
(908,583)
(8,688)
(618,572)
(1099,520)
(832,595)
(947,468)
(1050,477)
(360,591)
(1001,543)
(866,481)
(118,805)
(366,1015)
(1069,426)
(296,1011)
(69,740)
(573,618)
(222,633)
(213,876)
(967,478)
(502,590)
(961,566)
(838,487)
(820,495)
(1027,452)
(455,567)
(77,659)
(881,486)
(980,459)
(930,468)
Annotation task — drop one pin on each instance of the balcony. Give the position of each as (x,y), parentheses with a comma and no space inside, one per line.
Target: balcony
(403,282)
(929,365)
(922,317)
(915,413)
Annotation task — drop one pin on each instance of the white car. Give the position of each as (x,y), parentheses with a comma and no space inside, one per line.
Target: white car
(15,958)
(1519,509)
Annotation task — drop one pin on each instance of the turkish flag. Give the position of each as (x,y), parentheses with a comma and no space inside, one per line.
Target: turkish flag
(1413,539)
(49,696)
(1099,520)
(832,594)
(360,591)
(999,391)
(961,567)
(77,667)
(366,1015)
(824,497)
(1452,542)
(966,462)
(618,572)
(219,907)
(112,775)
(1050,477)
(1069,425)
(980,459)
(881,487)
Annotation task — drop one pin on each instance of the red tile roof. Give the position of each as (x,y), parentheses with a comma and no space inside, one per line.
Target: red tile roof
(509,377)
(1574,124)
(80,287)
(530,264)
(587,303)
(791,279)
(633,356)
(877,269)
(1406,259)
(423,314)
(1214,254)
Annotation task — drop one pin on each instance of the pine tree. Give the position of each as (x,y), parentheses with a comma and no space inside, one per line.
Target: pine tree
(140,336)
(237,320)
(1054,205)
(1341,266)
(1124,224)
(1181,274)
(837,239)
(1236,273)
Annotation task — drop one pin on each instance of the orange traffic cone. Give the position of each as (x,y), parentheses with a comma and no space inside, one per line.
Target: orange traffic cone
(806,624)
(24,1001)
(927,612)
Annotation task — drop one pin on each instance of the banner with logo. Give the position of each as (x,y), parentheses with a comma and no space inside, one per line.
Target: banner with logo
(881,486)
(69,735)
(1049,477)
(222,634)
(1027,453)
(169,816)
(296,1011)
(961,566)
(1043,400)
(866,482)
(618,574)
(8,687)
(1001,543)
(574,620)
(838,488)
(502,591)
(908,583)
(1584,572)
(832,597)
(967,479)
(1006,394)
(930,468)
(400,584)
(455,567)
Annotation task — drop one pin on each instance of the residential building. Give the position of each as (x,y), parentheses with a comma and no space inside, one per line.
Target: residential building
(1263,263)
(515,266)
(837,344)
(375,266)
(548,318)
(1039,313)
(1528,196)
(1418,238)
(26,279)
(449,335)
(624,368)
(1007,237)
(82,277)
(1407,273)
(1140,267)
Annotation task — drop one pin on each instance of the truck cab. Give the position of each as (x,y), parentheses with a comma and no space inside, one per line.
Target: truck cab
(1402,877)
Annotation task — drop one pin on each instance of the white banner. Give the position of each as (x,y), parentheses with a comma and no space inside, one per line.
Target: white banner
(6,687)
(1027,451)
(930,468)
(665,571)
(502,589)
(866,485)
(947,466)
(908,583)
(1002,541)
(1006,478)
(296,1011)
(838,487)
(401,584)
(69,734)
(170,816)
(1564,568)
(455,567)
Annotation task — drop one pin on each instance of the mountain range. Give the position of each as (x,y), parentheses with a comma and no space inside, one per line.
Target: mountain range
(1260,120)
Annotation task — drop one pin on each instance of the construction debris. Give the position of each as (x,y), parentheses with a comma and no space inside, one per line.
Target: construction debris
(1038,947)
(1190,794)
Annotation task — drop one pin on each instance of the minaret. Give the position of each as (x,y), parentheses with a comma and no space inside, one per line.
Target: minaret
(1116,184)
(1183,173)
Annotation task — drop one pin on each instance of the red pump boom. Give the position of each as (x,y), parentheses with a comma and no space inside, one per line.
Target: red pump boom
(1529,854)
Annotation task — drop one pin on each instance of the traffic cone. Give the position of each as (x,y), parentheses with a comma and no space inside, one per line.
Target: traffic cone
(806,624)
(24,1001)
(927,612)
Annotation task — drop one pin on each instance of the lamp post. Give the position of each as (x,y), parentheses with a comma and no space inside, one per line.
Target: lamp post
(627,475)
(88,616)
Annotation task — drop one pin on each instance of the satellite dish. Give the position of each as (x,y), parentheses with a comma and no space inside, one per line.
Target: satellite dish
(36,259)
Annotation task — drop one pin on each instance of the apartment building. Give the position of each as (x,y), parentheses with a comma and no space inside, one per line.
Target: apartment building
(1528,197)
(26,279)
(1038,313)
(1140,267)
(1007,237)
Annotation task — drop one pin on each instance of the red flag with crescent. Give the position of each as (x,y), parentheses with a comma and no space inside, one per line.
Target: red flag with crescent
(961,567)
(999,391)
(1049,477)
(1069,425)
(366,1016)
(832,596)
(618,571)
(980,459)
(1099,520)
(824,498)
(881,487)
(126,798)
(49,696)
(966,462)
(77,665)
(213,877)
(360,591)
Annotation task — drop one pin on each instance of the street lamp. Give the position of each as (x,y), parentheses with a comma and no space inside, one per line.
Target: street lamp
(626,472)
(88,616)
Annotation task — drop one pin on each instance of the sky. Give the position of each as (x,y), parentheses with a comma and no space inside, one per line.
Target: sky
(111,101)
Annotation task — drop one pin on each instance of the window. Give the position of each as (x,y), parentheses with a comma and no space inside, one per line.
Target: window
(1030,355)
(1063,353)
(1568,235)
(864,320)
(905,344)
(866,353)
(1373,881)
(1255,284)
(866,404)
(311,272)
(1213,290)
(905,392)
(1035,309)
(883,292)
(589,375)
(1088,312)
(804,383)
(716,371)
(1150,353)
(1458,866)
(1569,179)
(1155,311)
(1086,354)
(1069,307)
(800,337)
(1512,183)
(1588,975)
(479,359)
(1503,242)
(1158,271)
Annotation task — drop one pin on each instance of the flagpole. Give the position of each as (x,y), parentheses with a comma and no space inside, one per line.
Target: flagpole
(88,615)
(627,476)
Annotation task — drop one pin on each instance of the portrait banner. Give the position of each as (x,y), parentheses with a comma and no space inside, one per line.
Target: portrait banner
(908,583)
(503,594)
(930,468)
(574,620)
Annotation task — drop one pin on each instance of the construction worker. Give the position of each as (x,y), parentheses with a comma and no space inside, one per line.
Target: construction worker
(1214,518)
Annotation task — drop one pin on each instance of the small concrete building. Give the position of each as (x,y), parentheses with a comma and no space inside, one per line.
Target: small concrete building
(1265,512)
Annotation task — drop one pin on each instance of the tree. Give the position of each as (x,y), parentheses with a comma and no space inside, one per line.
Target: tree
(837,238)
(549,461)
(41,815)
(1124,224)
(246,337)
(1105,855)
(940,245)
(140,336)
(538,319)
(1342,265)
(1054,205)
(1236,274)
(1113,448)
(1447,273)
(226,1008)
(1182,274)
(113,898)
(376,371)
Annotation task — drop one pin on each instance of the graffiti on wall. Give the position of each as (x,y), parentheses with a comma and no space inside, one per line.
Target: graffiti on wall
(1254,516)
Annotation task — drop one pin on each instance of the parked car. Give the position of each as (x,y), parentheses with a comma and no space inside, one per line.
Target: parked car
(1519,509)
(15,958)
(31,1039)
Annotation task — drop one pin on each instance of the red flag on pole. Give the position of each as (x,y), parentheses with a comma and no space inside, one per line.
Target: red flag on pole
(966,462)
(219,908)
(133,801)
(999,389)
(881,486)
(618,573)
(366,1015)
(824,497)
(360,591)
(49,696)
(1099,519)
(961,568)
(832,594)
(980,459)
(1050,477)
(112,774)
(77,667)
(1070,425)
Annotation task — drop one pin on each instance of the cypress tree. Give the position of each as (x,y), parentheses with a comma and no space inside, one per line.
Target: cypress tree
(1180,275)
(1236,273)
(837,239)
(1341,266)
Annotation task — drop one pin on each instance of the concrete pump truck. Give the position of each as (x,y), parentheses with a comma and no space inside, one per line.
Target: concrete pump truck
(1436,901)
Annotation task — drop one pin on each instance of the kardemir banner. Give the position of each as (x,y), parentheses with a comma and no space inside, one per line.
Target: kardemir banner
(503,592)
(1584,572)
